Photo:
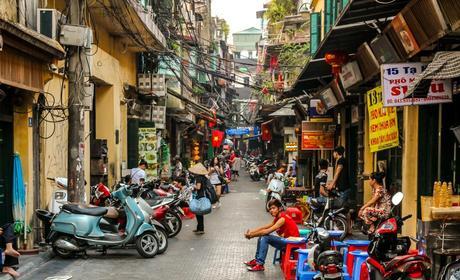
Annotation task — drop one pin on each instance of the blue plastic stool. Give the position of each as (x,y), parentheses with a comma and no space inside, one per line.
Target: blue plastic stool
(335,234)
(304,271)
(359,258)
(277,256)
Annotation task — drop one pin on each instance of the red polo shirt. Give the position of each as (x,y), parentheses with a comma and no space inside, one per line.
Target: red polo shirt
(289,229)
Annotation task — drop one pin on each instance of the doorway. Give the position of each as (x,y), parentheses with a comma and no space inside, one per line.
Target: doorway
(6,172)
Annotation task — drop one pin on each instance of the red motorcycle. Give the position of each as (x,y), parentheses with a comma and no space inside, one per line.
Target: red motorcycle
(389,256)
(100,195)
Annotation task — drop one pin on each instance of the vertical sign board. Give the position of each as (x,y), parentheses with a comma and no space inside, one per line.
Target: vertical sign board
(383,122)
(148,148)
(396,79)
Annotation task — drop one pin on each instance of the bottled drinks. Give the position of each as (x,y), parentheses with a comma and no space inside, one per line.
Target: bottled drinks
(450,193)
(443,200)
(436,194)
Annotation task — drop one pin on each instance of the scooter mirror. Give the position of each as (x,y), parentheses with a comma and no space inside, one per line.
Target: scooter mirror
(397,198)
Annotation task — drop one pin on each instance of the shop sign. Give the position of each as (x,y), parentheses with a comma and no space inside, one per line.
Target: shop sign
(291,147)
(396,79)
(148,147)
(317,112)
(317,136)
(317,140)
(383,122)
(237,131)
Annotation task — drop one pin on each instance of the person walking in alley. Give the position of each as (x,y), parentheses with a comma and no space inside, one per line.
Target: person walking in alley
(285,228)
(138,175)
(321,180)
(8,246)
(236,166)
(201,181)
(379,206)
(216,173)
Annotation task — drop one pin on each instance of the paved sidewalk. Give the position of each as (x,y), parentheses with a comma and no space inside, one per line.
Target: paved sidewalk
(218,254)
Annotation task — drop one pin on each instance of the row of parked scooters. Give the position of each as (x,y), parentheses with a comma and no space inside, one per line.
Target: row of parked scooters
(143,217)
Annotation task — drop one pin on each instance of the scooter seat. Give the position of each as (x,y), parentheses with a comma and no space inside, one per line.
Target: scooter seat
(85,210)
(154,202)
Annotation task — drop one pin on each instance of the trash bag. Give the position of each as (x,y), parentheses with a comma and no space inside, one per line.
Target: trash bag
(200,206)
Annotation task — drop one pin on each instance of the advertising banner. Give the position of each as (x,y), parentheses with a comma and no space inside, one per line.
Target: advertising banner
(383,122)
(317,140)
(396,79)
(148,148)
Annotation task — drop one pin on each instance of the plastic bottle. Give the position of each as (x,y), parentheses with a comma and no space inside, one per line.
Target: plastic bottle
(450,193)
(436,194)
(443,201)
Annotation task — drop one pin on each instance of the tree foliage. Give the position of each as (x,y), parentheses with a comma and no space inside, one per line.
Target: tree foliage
(278,9)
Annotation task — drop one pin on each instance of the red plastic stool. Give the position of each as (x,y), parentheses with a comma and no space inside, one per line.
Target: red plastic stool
(290,257)
(295,214)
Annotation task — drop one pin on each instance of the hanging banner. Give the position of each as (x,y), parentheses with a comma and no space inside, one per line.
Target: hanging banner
(148,148)
(238,131)
(383,122)
(396,79)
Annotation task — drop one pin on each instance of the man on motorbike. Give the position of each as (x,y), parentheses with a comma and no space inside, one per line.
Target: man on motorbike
(321,181)
(284,226)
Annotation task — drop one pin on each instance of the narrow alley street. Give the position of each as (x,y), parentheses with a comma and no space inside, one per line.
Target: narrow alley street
(218,254)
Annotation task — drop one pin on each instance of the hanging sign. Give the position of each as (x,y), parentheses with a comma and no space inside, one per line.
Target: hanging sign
(148,147)
(291,147)
(383,122)
(237,131)
(396,79)
(317,140)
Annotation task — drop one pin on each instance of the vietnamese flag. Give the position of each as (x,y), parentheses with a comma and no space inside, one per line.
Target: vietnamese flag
(266,131)
(216,138)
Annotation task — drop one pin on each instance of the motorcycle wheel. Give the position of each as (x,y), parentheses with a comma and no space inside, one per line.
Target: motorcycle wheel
(147,244)
(162,237)
(174,222)
(65,254)
(337,223)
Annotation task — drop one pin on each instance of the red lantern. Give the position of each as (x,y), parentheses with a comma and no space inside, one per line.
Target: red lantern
(212,123)
(266,132)
(217,138)
(265,91)
(336,59)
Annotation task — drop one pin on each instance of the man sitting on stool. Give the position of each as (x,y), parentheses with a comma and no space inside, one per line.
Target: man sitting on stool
(284,226)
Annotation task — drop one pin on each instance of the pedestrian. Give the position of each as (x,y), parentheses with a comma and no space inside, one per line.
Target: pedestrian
(283,225)
(379,206)
(216,173)
(294,167)
(138,175)
(201,181)
(227,177)
(178,167)
(320,181)
(236,167)
(8,245)
(340,181)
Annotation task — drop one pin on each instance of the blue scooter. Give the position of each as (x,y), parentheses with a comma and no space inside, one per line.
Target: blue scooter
(77,227)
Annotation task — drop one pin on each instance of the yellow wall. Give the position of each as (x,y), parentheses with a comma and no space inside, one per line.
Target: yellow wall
(8,10)
(22,135)
(317,6)
(409,170)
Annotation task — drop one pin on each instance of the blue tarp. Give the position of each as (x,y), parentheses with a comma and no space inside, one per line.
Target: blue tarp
(237,131)
(19,190)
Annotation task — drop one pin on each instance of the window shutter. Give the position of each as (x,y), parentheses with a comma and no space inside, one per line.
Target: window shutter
(335,11)
(328,15)
(315,32)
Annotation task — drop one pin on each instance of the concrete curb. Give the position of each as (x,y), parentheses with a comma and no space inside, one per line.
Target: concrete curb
(31,264)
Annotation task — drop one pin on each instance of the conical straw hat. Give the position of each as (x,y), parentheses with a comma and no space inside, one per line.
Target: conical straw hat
(198,169)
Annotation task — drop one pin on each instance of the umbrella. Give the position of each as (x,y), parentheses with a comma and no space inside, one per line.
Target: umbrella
(19,194)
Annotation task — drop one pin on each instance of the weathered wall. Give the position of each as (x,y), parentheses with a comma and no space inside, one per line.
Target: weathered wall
(8,10)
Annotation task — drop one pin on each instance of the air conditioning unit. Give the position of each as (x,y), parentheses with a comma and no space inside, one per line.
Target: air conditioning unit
(49,21)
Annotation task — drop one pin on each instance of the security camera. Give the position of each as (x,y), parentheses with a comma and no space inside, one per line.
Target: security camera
(52,67)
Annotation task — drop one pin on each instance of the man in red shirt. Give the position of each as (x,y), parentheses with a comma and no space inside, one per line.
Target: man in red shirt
(284,226)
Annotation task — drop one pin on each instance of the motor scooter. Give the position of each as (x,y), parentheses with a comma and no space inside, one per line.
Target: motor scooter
(254,172)
(389,256)
(275,188)
(77,227)
(328,262)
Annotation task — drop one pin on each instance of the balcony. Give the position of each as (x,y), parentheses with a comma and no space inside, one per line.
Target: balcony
(292,29)
(131,20)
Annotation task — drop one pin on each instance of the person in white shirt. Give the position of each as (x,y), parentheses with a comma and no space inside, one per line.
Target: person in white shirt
(138,174)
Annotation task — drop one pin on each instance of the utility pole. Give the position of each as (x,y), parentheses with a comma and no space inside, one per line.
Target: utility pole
(76,144)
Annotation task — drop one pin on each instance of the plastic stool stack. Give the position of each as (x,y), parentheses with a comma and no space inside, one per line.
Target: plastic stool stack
(305,272)
(295,214)
(290,258)
(359,258)
(354,245)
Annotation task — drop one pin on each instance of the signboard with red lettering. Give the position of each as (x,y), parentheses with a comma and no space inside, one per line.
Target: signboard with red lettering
(383,122)
(396,79)
(317,140)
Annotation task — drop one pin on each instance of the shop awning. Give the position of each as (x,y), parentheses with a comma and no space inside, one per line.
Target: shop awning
(445,65)
(355,25)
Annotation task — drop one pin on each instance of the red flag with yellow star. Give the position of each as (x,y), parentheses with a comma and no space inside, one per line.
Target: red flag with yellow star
(217,137)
